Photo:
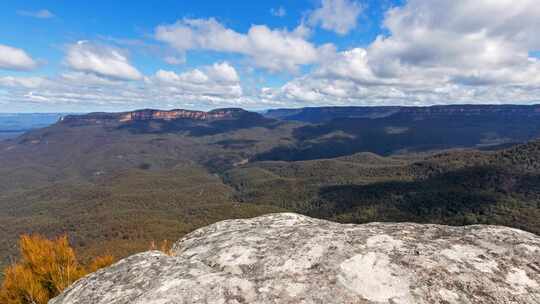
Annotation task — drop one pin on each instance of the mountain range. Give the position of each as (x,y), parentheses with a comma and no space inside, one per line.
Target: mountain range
(135,177)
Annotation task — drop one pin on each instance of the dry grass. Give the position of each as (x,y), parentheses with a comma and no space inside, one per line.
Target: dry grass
(45,269)
(164,246)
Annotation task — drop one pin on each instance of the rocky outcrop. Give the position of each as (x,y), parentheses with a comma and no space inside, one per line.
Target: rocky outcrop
(289,258)
(149,114)
(176,114)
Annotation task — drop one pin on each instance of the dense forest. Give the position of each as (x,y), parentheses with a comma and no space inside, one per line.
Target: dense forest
(455,188)
(117,186)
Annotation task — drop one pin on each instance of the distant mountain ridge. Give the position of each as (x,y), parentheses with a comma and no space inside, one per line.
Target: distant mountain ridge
(153,114)
(324,114)
(312,114)
(339,131)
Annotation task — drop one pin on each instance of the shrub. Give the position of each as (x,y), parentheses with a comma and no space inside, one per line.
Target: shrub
(164,247)
(99,262)
(46,267)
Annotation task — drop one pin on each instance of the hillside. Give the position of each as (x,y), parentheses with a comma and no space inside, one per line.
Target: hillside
(325,114)
(457,187)
(133,177)
(105,181)
(343,131)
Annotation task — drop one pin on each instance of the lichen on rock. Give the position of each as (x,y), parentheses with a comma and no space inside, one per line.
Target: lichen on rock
(290,258)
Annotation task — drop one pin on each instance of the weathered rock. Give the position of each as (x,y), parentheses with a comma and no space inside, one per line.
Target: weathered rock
(289,258)
(149,114)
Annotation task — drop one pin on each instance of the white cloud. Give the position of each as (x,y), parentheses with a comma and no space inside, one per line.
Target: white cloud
(25,82)
(206,87)
(219,79)
(217,73)
(458,37)
(41,14)
(278,12)
(88,79)
(351,64)
(15,59)
(175,60)
(431,52)
(101,60)
(448,51)
(275,50)
(339,16)
(222,72)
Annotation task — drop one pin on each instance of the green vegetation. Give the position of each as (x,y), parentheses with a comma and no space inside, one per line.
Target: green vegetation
(405,133)
(116,187)
(121,213)
(458,187)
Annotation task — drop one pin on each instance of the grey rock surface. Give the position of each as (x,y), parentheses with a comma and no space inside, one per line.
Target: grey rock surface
(289,258)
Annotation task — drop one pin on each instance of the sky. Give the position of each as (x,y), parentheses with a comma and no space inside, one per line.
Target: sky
(83,56)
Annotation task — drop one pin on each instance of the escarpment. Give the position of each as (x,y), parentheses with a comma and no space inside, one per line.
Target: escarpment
(289,258)
(150,114)
(177,114)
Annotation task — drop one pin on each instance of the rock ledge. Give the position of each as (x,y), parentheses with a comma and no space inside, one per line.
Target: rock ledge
(289,258)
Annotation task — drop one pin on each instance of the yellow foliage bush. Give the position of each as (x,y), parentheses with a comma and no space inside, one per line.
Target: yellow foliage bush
(164,247)
(46,267)
(99,262)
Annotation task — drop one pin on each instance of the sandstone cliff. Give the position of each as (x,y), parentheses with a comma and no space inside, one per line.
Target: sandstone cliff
(149,114)
(289,258)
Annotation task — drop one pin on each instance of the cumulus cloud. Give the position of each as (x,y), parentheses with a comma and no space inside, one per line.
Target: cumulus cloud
(101,60)
(217,80)
(449,51)
(24,82)
(206,87)
(339,16)
(175,60)
(275,50)
(15,59)
(461,36)
(430,52)
(222,72)
(41,14)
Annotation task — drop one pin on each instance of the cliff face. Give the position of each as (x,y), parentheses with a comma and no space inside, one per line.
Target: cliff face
(176,114)
(148,114)
(289,258)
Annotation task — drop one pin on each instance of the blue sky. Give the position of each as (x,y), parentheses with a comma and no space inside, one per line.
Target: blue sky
(58,56)
(45,38)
